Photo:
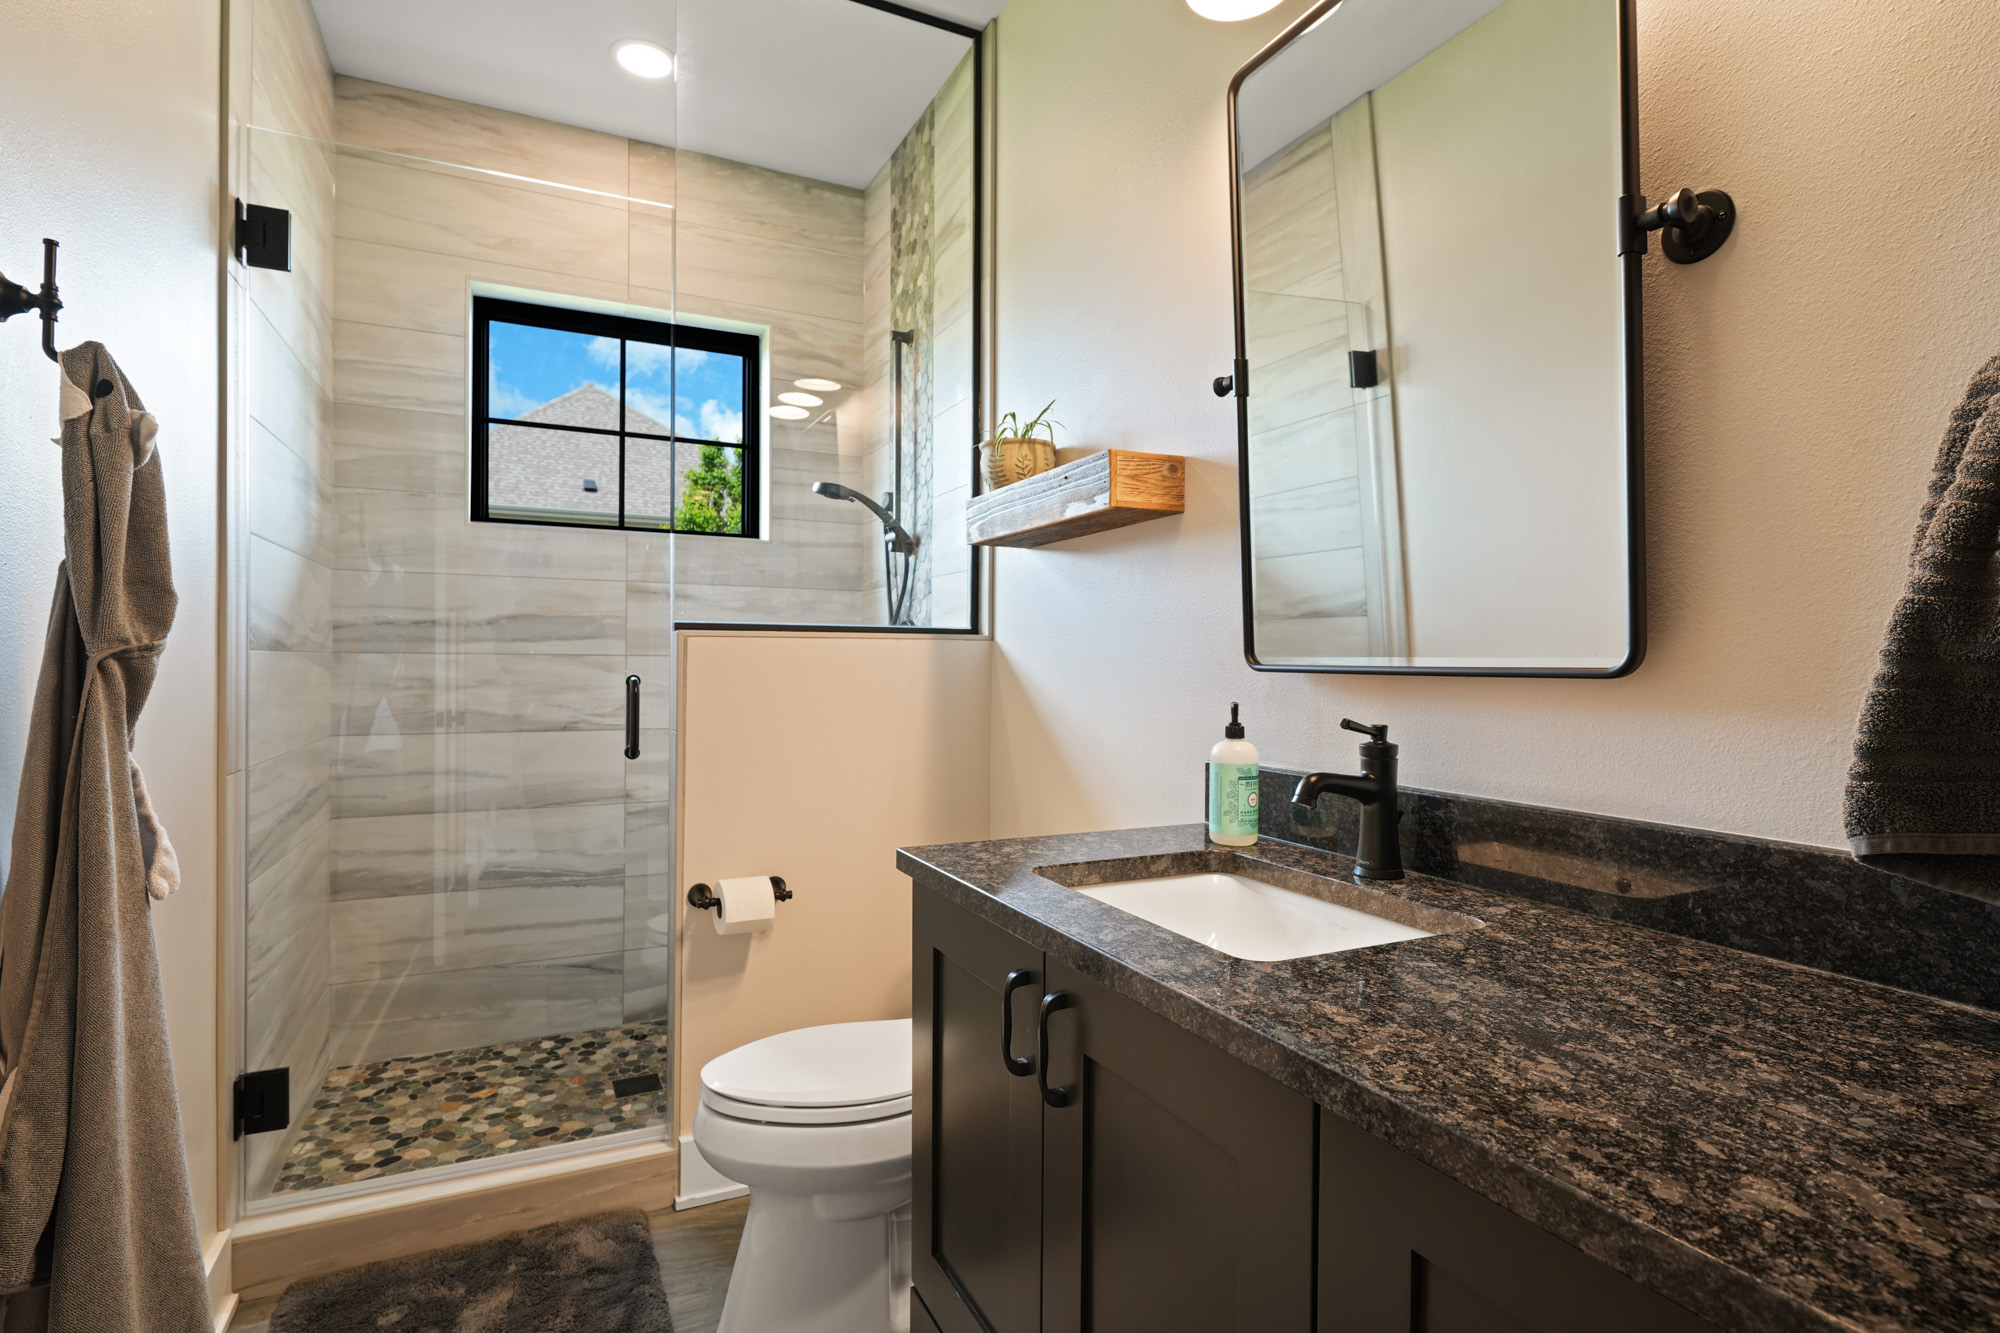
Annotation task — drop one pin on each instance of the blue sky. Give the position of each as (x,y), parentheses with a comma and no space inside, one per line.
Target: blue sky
(530,366)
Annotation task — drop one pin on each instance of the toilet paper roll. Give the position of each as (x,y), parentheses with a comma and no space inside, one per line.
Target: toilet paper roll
(748,904)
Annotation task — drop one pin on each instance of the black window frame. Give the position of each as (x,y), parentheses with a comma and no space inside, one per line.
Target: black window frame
(626,328)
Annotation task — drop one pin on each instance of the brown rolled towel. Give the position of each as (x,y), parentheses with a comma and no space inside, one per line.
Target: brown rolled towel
(1923,795)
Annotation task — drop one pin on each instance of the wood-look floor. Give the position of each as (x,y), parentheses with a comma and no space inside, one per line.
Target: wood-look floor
(696,1250)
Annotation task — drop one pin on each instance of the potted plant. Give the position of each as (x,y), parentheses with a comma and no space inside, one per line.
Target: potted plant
(1014,453)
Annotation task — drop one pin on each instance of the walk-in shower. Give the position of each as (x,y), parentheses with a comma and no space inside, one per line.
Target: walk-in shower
(550,378)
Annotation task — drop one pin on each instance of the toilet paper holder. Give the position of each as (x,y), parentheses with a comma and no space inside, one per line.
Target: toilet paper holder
(701,897)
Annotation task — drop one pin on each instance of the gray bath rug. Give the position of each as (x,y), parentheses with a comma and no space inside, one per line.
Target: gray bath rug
(595,1275)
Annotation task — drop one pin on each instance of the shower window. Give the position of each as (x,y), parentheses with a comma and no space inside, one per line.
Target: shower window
(584,419)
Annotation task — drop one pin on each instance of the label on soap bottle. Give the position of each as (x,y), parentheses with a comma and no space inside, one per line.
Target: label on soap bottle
(1232,801)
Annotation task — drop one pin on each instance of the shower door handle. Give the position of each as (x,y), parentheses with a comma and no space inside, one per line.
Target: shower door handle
(631,717)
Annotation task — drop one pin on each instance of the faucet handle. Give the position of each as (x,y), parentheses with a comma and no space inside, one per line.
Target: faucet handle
(1379,734)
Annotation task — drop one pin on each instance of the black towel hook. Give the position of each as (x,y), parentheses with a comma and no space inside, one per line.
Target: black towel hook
(17,300)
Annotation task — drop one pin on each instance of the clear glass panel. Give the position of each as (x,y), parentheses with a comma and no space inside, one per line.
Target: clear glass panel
(840,230)
(562,476)
(549,375)
(460,929)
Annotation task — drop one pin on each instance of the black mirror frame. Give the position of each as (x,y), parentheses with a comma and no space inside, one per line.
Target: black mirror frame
(1633,386)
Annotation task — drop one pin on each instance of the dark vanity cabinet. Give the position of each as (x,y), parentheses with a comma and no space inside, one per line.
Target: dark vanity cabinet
(1083,1164)
(1406,1249)
(1159,1184)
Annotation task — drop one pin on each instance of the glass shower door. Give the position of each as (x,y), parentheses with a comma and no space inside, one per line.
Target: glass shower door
(459,933)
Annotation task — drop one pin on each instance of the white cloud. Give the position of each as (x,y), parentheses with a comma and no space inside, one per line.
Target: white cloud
(504,400)
(721,423)
(653,405)
(604,351)
(647,359)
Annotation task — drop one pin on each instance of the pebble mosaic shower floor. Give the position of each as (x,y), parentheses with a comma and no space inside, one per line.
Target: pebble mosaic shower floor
(406,1114)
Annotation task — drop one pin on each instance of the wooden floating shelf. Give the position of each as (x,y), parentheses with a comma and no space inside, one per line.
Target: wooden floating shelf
(1094,494)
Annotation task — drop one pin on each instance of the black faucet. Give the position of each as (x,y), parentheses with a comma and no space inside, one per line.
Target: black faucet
(1378,856)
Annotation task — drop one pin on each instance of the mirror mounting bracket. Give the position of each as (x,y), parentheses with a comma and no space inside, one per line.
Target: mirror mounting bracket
(1692,226)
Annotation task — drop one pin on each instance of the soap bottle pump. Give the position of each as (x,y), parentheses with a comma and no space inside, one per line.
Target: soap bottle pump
(1232,787)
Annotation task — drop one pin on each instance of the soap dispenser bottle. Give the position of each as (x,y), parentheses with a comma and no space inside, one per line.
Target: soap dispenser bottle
(1232,787)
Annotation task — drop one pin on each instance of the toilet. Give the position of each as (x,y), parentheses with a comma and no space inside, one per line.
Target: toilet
(816,1122)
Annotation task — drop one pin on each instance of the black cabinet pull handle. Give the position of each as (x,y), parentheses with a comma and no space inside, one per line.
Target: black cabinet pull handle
(1057,1097)
(1020,1066)
(631,717)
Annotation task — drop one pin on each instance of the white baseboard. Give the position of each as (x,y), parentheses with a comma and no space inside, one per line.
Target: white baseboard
(700,1182)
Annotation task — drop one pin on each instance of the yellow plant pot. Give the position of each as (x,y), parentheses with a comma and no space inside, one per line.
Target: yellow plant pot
(1004,462)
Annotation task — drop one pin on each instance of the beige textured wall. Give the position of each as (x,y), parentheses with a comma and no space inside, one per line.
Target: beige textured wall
(1796,388)
(111,142)
(813,757)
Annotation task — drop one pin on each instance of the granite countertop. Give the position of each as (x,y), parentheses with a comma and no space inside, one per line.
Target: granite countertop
(1774,1148)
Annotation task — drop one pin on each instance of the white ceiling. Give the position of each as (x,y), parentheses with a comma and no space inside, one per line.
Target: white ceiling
(819,88)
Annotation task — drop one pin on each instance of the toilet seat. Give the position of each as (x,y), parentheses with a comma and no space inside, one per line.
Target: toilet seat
(803,1115)
(835,1074)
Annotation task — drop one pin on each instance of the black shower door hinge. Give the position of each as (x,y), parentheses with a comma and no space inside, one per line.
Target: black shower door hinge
(263,1101)
(264,236)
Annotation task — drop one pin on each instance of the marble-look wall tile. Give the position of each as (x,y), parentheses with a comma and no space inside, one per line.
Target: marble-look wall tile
(289,503)
(450,211)
(764,604)
(293,76)
(391,367)
(385,855)
(424,613)
(290,600)
(1322,583)
(290,702)
(1277,327)
(425,125)
(1326,517)
(649,985)
(1306,453)
(651,899)
(426,533)
(649,839)
(650,777)
(1310,637)
(429,1012)
(1308,383)
(423,772)
(399,449)
(767,205)
(479,692)
(424,290)
(287,796)
(281,393)
(377,938)
(712,261)
(285,953)
(802,344)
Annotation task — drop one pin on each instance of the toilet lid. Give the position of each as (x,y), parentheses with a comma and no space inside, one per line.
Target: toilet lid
(840,1064)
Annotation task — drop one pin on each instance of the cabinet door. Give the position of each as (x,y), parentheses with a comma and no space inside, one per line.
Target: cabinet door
(1178,1183)
(1406,1249)
(977,1131)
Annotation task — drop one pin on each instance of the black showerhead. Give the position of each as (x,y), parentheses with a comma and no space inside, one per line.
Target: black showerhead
(900,540)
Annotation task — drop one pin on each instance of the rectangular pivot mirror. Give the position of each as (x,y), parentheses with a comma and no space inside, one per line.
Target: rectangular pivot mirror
(1438,341)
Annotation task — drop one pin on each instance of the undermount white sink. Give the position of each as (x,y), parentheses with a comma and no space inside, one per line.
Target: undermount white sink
(1248,919)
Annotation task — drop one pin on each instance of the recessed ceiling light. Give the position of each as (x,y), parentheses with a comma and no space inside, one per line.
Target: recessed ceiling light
(801,399)
(818,386)
(790,413)
(1228,11)
(648,60)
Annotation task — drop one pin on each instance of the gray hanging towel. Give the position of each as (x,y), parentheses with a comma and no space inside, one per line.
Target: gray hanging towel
(1923,795)
(93,1177)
